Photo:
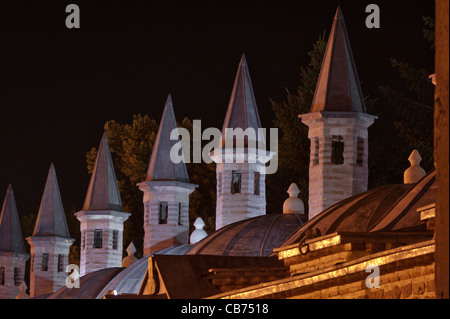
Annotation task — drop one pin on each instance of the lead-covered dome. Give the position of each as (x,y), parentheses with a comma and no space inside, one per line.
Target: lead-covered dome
(256,236)
(386,208)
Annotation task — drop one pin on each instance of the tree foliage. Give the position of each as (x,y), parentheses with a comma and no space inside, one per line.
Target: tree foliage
(131,146)
(405,110)
(293,148)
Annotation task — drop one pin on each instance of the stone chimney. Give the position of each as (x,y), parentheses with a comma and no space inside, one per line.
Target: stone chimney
(338,126)
(102,218)
(12,250)
(241,186)
(166,191)
(50,242)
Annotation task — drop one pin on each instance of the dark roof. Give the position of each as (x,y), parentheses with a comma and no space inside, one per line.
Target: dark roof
(161,167)
(403,215)
(90,285)
(192,277)
(11,239)
(338,88)
(103,191)
(385,208)
(51,219)
(256,236)
(130,279)
(242,110)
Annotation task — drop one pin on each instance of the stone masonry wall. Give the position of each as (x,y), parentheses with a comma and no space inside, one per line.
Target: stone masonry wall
(413,283)
(231,207)
(9,289)
(329,182)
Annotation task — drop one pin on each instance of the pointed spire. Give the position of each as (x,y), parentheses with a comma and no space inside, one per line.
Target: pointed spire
(161,167)
(103,191)
(51,219)
(338,87)
(242,109)
(10,232)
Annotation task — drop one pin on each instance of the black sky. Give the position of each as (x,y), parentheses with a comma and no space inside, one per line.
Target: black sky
(58,86)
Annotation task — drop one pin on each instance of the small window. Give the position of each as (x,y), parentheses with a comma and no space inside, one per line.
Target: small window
(98,238)
(360,151)
(256,183)
(219,184)
(60,263)
(316,151)
(83,239)
(147,213)
(17,279)
(236,182)
(163,212)
(2,276)
(337,150)
(179,213)
(44,263)
(115,242)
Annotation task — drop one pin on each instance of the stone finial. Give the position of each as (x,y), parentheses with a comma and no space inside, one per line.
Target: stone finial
(128,260)
(293,205)
(414,173)
(198,234)
(23,291)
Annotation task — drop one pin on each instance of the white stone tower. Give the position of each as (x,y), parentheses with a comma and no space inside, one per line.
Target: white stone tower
(338,126)
(101,217)
(50,242)
(240,174)
(12,250)
(166,191)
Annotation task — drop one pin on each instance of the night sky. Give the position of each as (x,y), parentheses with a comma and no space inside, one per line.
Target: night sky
(59,86)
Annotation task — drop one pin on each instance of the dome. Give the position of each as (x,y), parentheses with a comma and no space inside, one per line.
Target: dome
(255,236)
(386,208)
(123,280)
(90,285)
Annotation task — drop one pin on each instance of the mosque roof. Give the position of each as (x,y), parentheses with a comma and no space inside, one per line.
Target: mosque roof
(130,279)
(255,236)
(245,245)
(385,208)
(91,285)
